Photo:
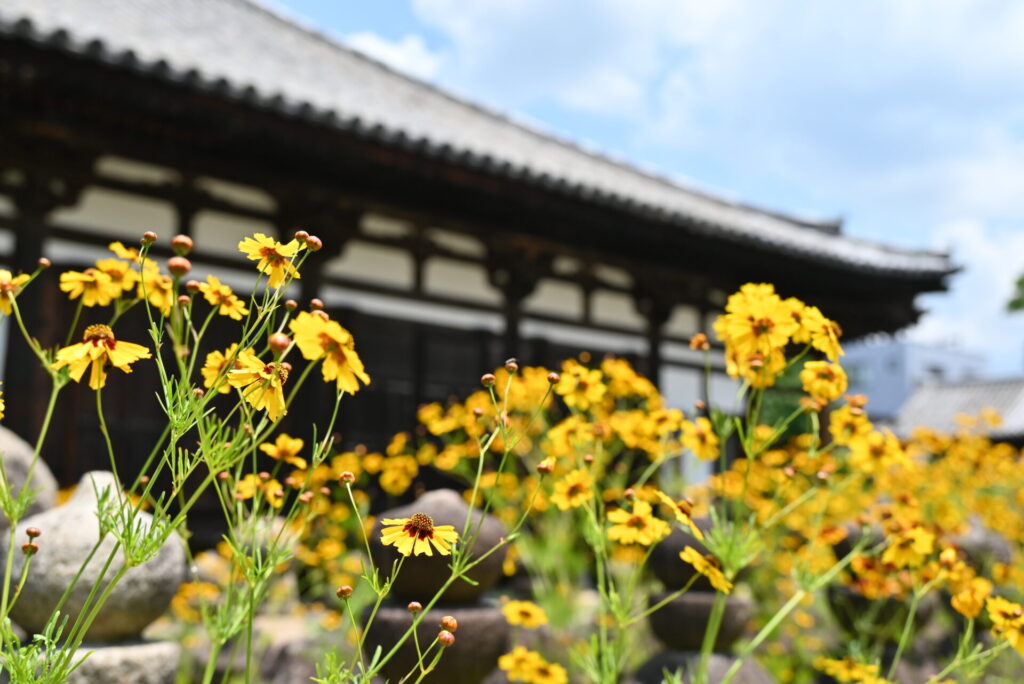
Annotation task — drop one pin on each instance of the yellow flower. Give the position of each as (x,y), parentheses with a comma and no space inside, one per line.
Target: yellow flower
(286,449)
(525,614)
(213,369)
(909,548)
(700,438)
(275,258)
(971,600)
(638,527)
(756,321)
(274,493)
(262,383)
(707,566)
(579,386)
(121,273)
(823,380)
(3,406)
(876,452)
(848,670)
(415,535)
(158,289)
(682,510)
(573,490)
(220,295)
(10,286)
(251,484)
(123,252)
(97,348)
(95,287)
(317,337)
(1007,621)
(823,333)
(548,673)
(520,663)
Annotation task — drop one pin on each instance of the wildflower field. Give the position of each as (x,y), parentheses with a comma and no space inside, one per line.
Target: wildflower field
(820,549)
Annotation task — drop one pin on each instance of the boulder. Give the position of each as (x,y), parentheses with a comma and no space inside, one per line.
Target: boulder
(17,458)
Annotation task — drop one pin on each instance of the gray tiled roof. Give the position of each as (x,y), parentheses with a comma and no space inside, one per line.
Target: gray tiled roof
(247,51)
(936,406)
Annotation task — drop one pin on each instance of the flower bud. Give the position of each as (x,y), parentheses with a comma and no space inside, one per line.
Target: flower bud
(223,476)
(33,532)
(179,266)
(446,639)
(699,342)
(314,244)
(588,458)
(144,479)
(546,467)
(487,379)
(192,286)
(316,304)
(554,377)
(279,342)
(700,405)
(511,365)
(184,300)
(306,497)
(287,367)
(449,624)
(148,238)
(630,493)
(344,591)
(326,491)
(181,244)
(30,548)
(264,475)
(348,477)
(291,304)
(44,263)
(478,412)
(414,607)
(199,392)
(301,235)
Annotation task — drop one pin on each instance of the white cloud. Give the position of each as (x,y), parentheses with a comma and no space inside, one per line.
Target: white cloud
(410,54)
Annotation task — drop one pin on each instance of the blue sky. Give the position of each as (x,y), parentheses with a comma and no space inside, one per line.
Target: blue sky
(905,117)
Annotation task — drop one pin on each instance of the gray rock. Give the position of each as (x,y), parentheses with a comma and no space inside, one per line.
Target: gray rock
(482,637)
(140,662)
(680,623)
(69,534)
(669,568)
(17,457)
(422,576)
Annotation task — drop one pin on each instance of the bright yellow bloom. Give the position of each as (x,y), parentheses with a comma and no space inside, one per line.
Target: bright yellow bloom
(700,438)
(848,670)
(10,286)
(637,527)
(275,258)
(823,380)
(1007,621)
(909,548)
(123,252)
(213,369)
(262,383)
(707,566)
(286,449)
(525,614)
(416,534)
(158,289)
(971,600)
(573,490)
(876,452)
(847,423)
(220,295)
(97,348)
(121,273)
(579,386)
(756,321)
(95,287)
(317,337)
(520,664)
(251,485)
(682,510)
(3,406)
(548,673)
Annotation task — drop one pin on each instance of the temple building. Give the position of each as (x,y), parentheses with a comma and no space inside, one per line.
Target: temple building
(454,236)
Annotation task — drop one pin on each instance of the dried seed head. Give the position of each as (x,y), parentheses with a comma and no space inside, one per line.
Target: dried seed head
(449,624)
(445,638)
(181,244)
(279,342)
(414,606)
(487,379)
(179,266)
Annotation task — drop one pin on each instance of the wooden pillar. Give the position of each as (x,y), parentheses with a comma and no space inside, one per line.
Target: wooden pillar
(656,311)
(516,272)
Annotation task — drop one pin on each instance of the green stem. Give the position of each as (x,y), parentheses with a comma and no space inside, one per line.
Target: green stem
(711,636)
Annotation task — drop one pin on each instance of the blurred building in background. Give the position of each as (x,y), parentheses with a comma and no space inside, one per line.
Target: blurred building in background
(454,237)
(991,407)
(889,370)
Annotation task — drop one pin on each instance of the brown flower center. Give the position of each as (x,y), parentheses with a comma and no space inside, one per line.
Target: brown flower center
(100,334)
(420,525)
